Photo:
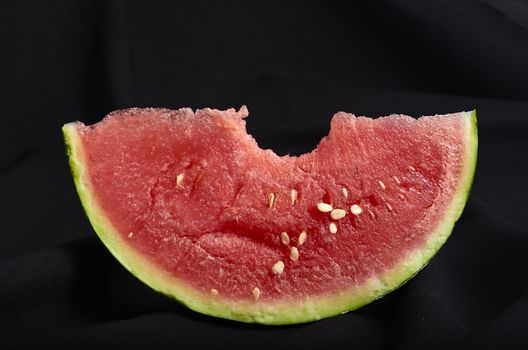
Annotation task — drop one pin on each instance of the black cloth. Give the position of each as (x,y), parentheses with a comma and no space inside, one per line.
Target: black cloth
(293,65)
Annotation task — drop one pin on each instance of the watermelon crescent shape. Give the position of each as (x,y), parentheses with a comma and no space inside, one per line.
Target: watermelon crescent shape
(191,206)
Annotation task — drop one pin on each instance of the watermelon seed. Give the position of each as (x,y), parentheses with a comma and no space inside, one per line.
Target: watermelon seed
(278,268)
(372,215)
(302,238)
(381,185)
(337,214)
(412,168)
(345,192)
(401,196)
(285,239)
(389,206)
(271,200)
(294,253)
(396,179)
(293,195)
(332,227)
(356,209)
(131,234)
(324,207)
(179,179)
(214,291)
(256,293)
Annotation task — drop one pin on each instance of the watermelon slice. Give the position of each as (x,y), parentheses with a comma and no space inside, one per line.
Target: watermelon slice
(190,204)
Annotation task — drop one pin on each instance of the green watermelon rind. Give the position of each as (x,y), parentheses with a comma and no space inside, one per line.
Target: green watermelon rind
(276,312)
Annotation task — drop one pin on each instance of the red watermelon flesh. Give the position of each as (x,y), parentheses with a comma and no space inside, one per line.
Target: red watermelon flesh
(191,205)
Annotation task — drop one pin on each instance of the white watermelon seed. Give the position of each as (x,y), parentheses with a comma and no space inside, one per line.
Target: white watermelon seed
(271,200)
(285,239)
(214,291)
(401,196)
(356,209)
(381,184)
(324,207)
(302,238)
(278,268)
(179,180)
(389,206)
(256,293)
(396,179)
(412,168)
(294,253)
(371,213)
(337,214)
(332,227)
(293,195)
(131,234)
(345,192)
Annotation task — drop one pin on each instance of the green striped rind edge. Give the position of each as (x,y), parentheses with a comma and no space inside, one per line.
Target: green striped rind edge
(281,311)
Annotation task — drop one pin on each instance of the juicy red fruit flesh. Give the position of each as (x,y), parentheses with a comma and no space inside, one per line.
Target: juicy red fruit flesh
(215,229)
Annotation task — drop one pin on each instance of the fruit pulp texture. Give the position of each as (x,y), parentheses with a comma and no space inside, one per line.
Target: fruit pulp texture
(195,194)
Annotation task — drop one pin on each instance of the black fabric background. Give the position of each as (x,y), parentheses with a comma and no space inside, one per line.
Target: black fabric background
(293,65)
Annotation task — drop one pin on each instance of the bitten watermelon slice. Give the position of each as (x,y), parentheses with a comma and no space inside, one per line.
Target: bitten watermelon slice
(192,206)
